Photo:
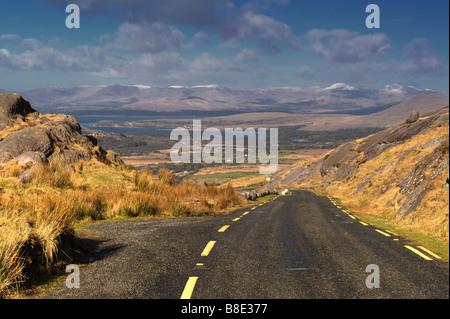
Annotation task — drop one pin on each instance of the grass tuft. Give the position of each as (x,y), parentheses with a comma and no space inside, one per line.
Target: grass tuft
(35,217)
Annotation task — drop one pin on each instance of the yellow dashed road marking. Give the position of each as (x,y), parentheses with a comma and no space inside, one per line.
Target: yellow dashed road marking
(224,228)
(189,288)
(208,248)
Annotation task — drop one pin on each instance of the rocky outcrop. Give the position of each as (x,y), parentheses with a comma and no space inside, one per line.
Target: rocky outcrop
(403,162)
(414,117)
(416,184)
(28,136)
(13,108)
(255,194)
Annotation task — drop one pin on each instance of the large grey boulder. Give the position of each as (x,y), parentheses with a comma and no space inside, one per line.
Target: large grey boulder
(30,139)
(414,117)
(35,158)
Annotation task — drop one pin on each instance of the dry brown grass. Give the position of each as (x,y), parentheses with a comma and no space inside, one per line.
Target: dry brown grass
(382,197)
(34,217)
(29,121)
(14,234)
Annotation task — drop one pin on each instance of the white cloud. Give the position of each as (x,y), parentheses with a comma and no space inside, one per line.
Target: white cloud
(85,59)
(207,62)
(155,37)
(246,55)
(197,13)
(258,5)
(420,58)
(160,61)
(202,37)
(346,46)
(23,43)
(14,37)
(272,34)
(259,26)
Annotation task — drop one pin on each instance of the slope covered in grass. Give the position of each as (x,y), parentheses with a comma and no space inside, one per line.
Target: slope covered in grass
(37,219)
(399,175)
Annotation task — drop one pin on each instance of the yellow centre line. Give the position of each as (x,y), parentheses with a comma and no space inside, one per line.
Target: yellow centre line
(351,216)
(245,213)
(236,219)
(418,253)
(253,208)
(189,288)
(208,248)
(224,228)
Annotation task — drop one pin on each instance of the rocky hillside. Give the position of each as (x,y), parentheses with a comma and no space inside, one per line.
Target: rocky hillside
(400,174)
(29,136)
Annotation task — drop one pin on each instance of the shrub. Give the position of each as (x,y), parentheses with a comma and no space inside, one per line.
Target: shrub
(179,210)
(136,204)
(165,176)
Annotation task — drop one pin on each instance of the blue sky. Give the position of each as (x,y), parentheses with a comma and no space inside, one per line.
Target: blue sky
(240,44)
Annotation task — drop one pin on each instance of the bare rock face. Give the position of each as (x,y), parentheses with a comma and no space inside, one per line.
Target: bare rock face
(58,139)
(13,107)
(415,184)
(113,157)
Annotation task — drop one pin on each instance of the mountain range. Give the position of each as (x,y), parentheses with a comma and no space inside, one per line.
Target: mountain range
(145,100)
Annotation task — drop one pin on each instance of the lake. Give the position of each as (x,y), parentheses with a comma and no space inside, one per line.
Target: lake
(87,121)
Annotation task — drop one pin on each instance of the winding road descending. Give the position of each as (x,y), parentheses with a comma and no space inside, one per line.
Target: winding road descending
(295,247)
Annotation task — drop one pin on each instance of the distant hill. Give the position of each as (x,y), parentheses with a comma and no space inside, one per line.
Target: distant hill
(399,174)
(390,116)
(423,103)
(121,100)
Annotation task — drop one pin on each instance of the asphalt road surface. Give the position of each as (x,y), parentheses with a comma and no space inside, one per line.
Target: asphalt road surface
(300,246)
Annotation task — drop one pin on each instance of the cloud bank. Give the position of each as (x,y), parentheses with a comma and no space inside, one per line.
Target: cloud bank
(181,42)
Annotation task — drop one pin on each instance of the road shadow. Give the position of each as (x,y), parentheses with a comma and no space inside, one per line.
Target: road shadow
(87,249)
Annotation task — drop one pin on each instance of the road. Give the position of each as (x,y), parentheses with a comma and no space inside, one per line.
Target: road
(300,246)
